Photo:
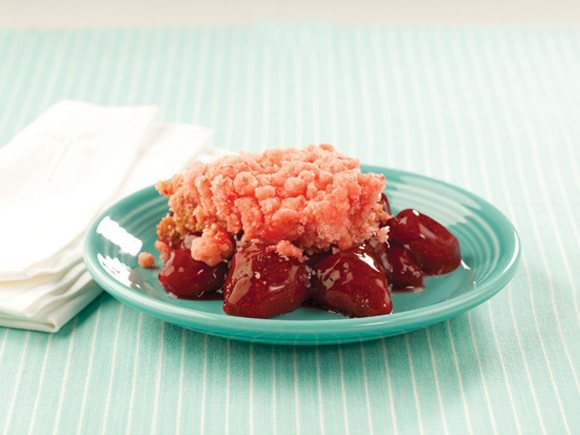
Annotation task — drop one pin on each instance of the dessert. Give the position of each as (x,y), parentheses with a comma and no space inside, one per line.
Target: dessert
(270,232)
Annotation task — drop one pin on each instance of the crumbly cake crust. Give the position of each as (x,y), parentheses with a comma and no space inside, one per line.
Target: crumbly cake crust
(297,201)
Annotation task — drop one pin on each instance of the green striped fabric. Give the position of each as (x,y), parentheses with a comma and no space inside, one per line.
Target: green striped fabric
(495,111)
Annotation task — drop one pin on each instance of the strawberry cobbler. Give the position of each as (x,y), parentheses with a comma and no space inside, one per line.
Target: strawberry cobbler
(273,230)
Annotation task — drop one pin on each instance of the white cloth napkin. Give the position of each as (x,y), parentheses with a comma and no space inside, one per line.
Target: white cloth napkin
(56,176)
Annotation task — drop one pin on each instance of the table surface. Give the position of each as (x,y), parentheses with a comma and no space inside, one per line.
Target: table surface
(495,111)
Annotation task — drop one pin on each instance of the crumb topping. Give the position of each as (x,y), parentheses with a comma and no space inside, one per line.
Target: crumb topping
(298,201)
(146,259)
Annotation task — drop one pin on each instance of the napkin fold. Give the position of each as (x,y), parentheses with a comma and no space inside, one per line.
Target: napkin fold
(56,176)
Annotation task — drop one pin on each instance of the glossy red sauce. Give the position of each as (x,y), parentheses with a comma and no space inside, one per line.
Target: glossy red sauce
(357,282)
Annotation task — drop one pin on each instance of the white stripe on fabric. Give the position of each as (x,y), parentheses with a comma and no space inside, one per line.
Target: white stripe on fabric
(16,383)
(499,162)
(175,50)
(135,365)
(320,401)
(479,365)
(562,188)
(65,376)
(203,391)
(232,94)
(437,387)
(282,102)
(459,377)
(417,98)
(16,93)
(478,135)
(503,367)
(218,82)
(391,399)
(154,51)
(365,87)
(112,371)
(251,398)
(9,63)
(331,86)
(87,69)
(201,73)
(143,43)
(89,372)
(124,43)
(274,407)
(366,383)
(40,384)
(184,78)
(439,111)
(298,103)
(47,81)
(344,408)
(314,75)
(155,409)
(349,102)
(384,106)
(4,340)
(266,102)
(546,198)
(571,103)
(446,158)
(181,382)
(227,407)
(414,384)
(95,91)
(514,138)
(402,106)
(296,391)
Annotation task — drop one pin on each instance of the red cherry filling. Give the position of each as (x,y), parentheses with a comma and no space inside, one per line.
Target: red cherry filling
(435,250)
(355,282)
(397,264)
(187,278)
(263,284)
(379,250)
(402,271)
(352,283)
(385,202)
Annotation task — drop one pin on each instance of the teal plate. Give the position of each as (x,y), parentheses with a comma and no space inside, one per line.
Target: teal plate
(489,244)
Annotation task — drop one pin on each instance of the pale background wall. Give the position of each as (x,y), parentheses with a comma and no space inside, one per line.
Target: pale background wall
(51,14)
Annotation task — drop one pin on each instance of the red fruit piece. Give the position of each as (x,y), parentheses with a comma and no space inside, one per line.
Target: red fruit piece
(435,250)
(313,259)
(379,250)
(402,271)
(263,284)
(397,264)
(187,278)
(385,202)
(352,283)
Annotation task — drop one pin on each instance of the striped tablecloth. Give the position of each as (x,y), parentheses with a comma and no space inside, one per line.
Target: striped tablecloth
(495,111)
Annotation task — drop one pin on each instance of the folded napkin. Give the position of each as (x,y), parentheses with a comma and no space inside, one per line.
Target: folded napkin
(56,176)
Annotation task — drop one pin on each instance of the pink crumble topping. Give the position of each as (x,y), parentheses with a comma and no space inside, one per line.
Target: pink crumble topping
(146,259)
(298,201)
(164,249)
